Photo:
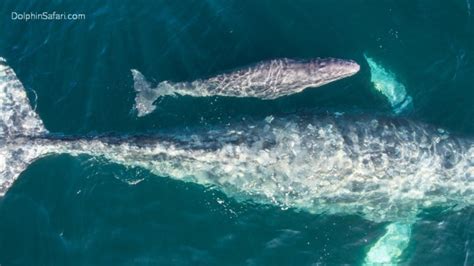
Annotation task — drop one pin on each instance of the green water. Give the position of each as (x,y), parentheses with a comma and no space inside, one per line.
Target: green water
(84,211)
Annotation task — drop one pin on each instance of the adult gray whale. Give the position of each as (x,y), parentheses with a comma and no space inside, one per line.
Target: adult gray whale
(265,80)
(380,169)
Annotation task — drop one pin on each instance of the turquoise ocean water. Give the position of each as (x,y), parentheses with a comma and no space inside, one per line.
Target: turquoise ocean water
(66,210)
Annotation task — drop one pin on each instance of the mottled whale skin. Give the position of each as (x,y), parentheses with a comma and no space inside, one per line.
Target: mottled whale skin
(265,80)
(381,169)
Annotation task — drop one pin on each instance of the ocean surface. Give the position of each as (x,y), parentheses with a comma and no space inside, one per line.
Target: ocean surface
(66,210)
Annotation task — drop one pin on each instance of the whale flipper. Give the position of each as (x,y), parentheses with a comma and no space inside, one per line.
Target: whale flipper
(388,249)
(386,83)
(146,95)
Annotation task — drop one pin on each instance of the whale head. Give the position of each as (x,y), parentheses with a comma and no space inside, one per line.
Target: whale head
(325,70)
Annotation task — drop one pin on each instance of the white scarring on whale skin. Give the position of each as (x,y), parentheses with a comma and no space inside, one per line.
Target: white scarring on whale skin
(265,80)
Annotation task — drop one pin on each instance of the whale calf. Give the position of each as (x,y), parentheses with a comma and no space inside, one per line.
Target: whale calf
(385,170)
(265,80)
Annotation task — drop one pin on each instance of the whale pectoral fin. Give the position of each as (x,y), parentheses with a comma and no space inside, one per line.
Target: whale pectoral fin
(146,95)
(386,83)
(388,249)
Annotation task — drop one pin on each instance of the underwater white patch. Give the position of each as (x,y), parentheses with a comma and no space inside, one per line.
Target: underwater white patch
(388,249)
(386,83)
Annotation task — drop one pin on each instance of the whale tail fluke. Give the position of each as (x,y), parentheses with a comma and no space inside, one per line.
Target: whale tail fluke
(16,115)
(17,118)
(146,95)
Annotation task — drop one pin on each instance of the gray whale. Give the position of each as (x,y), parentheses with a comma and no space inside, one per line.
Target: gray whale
(265,80)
